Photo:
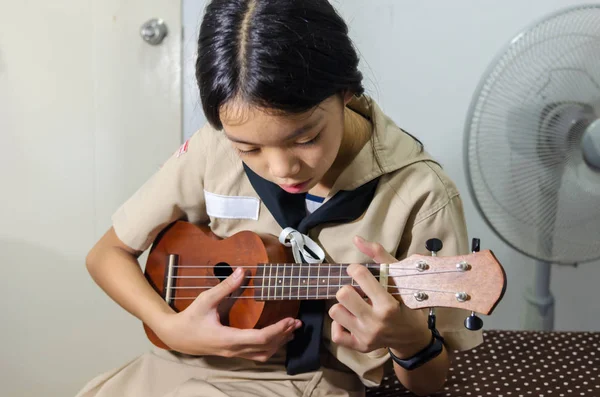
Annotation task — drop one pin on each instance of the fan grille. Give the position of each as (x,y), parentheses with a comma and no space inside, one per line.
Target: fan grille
(524,164)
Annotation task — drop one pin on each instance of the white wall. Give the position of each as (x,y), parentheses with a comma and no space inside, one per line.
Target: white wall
(422,62)
(88,111)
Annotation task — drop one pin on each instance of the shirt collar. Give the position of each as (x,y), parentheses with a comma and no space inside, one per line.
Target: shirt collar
(394,147)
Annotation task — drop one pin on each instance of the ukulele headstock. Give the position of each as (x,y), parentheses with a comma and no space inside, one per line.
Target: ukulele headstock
(474,282)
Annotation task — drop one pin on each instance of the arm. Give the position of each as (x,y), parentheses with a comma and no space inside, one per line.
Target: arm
(197,330)
(388,322)
(114,267)
(449,225)
(174,192)
(428,378)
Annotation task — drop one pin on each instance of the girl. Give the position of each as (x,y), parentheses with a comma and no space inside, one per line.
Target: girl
(294,148)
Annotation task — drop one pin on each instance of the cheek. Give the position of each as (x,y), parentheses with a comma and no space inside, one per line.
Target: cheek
(331,145)
(257,164)
(317,157)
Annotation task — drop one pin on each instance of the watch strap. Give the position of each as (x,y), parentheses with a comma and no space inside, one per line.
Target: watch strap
(428,353)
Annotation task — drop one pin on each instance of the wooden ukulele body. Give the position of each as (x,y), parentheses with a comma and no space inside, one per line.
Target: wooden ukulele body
(200,260)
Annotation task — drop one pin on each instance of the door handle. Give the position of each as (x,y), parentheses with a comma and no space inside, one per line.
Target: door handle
(154,31)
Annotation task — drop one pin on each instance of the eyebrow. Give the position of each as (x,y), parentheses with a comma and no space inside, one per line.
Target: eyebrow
(294,134)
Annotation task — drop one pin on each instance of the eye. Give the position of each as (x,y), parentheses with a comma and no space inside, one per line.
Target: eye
(312,141)
(246,152)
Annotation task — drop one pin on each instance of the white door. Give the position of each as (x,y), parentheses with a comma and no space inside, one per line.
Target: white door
(88,111)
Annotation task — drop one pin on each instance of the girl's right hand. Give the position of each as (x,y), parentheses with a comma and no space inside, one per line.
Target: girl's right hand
(197,330)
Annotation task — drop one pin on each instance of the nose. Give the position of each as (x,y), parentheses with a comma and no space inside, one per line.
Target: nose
(283,164)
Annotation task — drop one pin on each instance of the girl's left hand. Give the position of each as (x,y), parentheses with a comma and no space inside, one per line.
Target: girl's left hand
(383,321)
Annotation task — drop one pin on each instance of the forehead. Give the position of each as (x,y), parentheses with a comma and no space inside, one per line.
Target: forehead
(242,122)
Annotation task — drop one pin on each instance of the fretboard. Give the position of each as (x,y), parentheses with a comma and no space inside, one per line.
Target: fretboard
(292,281)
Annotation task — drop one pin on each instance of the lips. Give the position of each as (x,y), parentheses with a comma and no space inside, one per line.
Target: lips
(296,188)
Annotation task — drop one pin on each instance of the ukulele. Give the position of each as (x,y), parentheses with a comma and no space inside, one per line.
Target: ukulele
(186,260)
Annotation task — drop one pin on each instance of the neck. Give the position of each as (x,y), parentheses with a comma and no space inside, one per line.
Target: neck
(357,132)
(292,281)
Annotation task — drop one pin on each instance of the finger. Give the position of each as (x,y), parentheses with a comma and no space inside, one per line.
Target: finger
(353,302)
(258,345)
(343,317)
(373,250)
(214,295)
(260,356)
(369,285)
(342,337)
(377,253)
(268,335)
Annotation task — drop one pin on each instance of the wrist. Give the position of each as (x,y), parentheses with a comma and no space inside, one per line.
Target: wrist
(422,339)
(158,317)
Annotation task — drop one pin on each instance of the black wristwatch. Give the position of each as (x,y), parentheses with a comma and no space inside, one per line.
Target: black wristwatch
(430,352)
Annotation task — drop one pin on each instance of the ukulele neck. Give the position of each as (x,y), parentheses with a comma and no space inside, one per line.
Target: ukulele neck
(291,281)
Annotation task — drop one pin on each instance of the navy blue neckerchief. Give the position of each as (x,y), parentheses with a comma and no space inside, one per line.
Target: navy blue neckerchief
(289,210)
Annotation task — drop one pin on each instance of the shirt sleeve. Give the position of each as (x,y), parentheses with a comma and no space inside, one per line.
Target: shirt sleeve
(174,192)
(447,224)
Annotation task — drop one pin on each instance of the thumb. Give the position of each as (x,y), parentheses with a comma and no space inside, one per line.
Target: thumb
(373,250)
(216,294)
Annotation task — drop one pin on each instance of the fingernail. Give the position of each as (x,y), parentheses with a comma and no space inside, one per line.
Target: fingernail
(360,239)
(298,323)
(238,272)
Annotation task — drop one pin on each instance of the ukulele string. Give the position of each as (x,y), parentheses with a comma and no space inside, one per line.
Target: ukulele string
(281,288)
(283,298)
(311,277)
(291,266)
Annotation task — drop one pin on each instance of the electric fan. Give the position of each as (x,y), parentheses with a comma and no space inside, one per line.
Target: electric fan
(532,148)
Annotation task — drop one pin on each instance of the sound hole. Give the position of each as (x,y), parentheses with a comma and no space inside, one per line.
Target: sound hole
(222,270)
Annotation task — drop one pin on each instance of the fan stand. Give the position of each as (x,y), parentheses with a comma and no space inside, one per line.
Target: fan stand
(539,308)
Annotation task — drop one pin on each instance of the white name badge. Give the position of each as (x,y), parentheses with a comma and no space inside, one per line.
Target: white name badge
(231,207)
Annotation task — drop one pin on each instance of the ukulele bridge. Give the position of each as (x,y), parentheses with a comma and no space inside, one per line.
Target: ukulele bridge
(172,263)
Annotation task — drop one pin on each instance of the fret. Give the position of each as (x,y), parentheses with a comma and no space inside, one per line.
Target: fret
(260,273)
(340,275)
(306,280)
(291,281)
(270,272)
(277,281)
(283,282)
(299,268)
(328,281)
(313,280)
(318,278)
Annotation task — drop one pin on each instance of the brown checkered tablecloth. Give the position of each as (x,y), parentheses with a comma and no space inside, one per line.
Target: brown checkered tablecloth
(519,364)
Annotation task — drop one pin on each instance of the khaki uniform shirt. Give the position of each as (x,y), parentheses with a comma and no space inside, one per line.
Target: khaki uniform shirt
(204,183)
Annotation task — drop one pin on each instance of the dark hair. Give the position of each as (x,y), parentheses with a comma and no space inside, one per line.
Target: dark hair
(283,55)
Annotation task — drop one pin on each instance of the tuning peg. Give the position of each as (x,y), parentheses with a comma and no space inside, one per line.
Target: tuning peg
(473,323)
(434,245)
(475,245)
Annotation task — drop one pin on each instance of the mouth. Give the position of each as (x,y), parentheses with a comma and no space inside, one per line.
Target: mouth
(296,188)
